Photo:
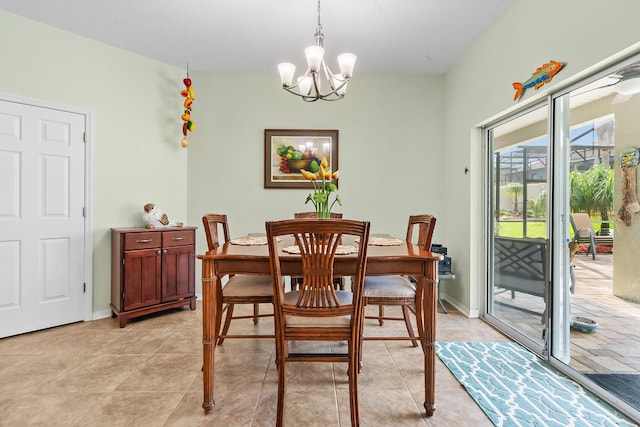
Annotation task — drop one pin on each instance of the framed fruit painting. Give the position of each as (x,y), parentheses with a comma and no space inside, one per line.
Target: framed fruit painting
(287,151)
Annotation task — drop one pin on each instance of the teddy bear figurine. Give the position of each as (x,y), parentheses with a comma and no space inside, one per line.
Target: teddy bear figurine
(154,217)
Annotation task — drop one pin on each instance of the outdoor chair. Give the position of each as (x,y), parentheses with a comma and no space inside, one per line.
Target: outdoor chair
(318,312)
(584,233)
(240,288)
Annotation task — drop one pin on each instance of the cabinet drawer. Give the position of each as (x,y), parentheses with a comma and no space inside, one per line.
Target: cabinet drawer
(177,238)
(141,241)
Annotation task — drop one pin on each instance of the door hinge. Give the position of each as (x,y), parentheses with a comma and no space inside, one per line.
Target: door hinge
(123,296)
(84,212)
(84,287)
(84,137)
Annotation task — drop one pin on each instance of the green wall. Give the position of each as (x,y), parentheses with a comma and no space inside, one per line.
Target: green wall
(405,140)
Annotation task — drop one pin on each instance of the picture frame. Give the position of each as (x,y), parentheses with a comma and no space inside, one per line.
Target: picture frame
(282,164)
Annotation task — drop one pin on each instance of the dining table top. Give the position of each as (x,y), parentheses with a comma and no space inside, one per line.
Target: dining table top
(375,252)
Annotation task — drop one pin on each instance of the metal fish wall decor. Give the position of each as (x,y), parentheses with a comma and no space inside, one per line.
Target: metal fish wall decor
(542,75)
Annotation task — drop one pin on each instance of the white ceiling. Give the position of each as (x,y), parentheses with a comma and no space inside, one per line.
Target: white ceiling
(388,36)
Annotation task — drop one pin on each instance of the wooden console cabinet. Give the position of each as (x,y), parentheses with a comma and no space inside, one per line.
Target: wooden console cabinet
(152,269)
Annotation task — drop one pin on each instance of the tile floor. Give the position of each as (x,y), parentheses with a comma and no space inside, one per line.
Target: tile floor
(149,374)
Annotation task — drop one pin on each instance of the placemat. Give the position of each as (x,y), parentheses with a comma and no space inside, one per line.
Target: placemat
(384,241)
(251,241)
(340,250)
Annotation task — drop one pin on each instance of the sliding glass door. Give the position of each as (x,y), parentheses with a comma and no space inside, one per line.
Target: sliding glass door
(598,122)
(562,199)
(518,252)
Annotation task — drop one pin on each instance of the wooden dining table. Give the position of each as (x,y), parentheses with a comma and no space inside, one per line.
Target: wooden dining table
(405,259)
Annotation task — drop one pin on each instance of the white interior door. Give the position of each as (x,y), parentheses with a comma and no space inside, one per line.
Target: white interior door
(42,217)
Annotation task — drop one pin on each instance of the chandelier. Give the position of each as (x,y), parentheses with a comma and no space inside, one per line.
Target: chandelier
(309,86)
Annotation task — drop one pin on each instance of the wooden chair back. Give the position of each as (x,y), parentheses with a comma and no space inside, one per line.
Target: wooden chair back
(212,224)
(296,280)
(318,242)
(426,224)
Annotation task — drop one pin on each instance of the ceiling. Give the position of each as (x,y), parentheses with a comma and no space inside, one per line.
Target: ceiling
(388,36)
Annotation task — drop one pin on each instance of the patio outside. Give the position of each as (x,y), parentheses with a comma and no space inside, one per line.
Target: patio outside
(614,346)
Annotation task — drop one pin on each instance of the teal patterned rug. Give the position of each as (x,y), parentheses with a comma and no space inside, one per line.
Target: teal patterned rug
(516,388)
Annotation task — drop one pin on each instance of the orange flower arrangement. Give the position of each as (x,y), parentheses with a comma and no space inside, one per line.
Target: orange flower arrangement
(323,186)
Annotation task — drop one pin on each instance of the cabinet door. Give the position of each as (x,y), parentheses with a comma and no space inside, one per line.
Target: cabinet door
(142,270)
(178,274)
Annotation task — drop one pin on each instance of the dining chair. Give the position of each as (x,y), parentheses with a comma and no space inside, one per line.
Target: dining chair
(240,288)
(297,280)
(318,311)
(400,290)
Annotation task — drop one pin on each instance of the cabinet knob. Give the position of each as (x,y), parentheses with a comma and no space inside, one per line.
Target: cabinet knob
(164,251)
(159,252)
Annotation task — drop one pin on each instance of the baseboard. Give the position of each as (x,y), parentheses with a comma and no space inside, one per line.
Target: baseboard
(460,307)
(107,313)
(101,314)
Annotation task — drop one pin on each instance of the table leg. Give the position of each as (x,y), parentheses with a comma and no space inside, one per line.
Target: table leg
(208,332)
(429,307)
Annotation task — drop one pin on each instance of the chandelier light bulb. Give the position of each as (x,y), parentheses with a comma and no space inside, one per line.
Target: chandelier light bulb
(304,84)
(347,61)
(314,56)
(287,70)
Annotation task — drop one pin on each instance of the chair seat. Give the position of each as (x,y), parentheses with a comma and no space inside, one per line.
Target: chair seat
(603,240)
(344,298)
(388,286)
(247,285)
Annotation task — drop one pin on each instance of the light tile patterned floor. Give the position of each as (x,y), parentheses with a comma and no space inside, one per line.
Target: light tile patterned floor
(149,374)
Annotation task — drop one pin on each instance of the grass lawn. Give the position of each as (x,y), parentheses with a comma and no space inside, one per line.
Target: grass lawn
(514,229)
(536,229)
